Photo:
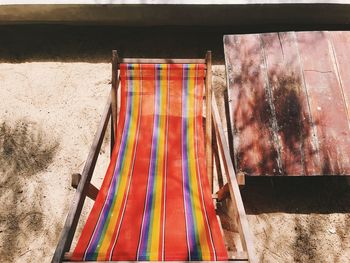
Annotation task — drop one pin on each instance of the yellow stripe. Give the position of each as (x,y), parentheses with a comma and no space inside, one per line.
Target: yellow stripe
(156,225)
(199,221)
(124,172)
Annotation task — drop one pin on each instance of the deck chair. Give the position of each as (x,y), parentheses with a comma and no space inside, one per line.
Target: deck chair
(156,201)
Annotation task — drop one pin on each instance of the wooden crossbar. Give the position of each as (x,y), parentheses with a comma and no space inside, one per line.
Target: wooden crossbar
(92,191)
(161,61)
(233,256)
(236,261)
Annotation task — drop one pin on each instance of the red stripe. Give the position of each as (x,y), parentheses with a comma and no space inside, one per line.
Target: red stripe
(88,229)
(175,230)
(200,154)
(219,245)
(126,245)
(125,197)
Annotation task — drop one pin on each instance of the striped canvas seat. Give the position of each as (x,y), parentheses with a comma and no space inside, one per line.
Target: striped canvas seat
(155,202)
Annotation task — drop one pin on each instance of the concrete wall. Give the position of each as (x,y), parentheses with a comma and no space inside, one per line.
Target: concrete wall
(176,13)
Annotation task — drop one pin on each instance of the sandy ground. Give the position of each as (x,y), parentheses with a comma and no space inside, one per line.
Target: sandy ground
(54,82)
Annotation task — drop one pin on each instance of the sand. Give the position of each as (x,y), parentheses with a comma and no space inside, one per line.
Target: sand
(54,82)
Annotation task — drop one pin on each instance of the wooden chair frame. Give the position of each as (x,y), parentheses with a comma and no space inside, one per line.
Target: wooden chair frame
(228,191)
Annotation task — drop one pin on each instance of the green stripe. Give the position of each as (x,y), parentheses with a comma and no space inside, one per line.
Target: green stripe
(106,225)
(195,224)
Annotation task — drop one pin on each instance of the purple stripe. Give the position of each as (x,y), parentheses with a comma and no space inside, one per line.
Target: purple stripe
(197,164)
(91,250)
(187,198)
(190,220)
(166,162)
(132,168)
(142,254)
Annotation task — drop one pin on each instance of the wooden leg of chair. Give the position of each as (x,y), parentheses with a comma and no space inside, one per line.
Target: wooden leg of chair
(75,180)
(217,161)
(112,138)
(223,193)
(240,178)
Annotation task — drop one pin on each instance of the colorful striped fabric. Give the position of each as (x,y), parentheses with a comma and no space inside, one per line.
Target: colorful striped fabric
(155,202)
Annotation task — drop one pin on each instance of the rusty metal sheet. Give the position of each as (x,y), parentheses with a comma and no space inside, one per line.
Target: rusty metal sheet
(254,147)
(297,83)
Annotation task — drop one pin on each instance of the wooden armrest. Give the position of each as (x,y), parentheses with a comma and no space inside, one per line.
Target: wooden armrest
(238,214)
(72,219)
(92,191)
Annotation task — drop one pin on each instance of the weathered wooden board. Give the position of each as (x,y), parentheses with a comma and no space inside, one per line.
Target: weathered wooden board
(250,114)
(340,48)
(289,97)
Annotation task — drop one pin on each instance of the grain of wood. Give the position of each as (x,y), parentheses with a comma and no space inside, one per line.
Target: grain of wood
(239,212)
(289,102)
(208,122)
